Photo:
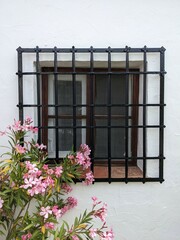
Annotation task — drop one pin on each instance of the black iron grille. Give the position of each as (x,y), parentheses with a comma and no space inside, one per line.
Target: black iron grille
(102,97)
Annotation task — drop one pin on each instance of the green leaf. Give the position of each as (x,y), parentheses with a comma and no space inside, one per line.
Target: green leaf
(28,227)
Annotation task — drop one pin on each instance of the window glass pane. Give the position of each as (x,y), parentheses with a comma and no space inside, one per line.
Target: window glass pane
(64,92)
(101,143)
(118,139)
(100,93)
(65,96)
(66,134)
(118,89)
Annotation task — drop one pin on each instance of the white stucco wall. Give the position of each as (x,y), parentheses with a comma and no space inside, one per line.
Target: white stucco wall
(136,211)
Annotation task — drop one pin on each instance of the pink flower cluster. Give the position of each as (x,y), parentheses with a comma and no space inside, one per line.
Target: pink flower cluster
(93,232)
(89,178)
(74,237)
(26,236)
(46,211)
(56,211)
(49,225)
(82,156)
(26,126)
(108,235)
(101,212)
(41,146)
(71,202)
(66,188)
(20,149)
(36,182)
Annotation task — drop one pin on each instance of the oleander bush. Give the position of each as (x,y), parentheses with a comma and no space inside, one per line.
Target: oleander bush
(26,180)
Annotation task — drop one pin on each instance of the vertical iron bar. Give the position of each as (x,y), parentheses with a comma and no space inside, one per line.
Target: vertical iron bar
(74,98)
(144,112)
(20,85)
(38,93)
(92,106)
(109,114)
(161,114)
(56,107)
(127,116)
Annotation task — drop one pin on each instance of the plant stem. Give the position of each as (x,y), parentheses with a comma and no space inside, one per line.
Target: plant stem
(11,226)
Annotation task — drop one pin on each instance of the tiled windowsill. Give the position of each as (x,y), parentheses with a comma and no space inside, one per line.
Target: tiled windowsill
(117,172)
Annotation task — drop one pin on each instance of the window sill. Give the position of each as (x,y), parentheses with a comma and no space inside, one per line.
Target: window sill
(117,172)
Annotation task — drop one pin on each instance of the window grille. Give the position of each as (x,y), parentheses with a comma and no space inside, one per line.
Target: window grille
(129,126)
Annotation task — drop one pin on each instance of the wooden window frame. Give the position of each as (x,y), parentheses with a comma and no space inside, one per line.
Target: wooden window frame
(134,113)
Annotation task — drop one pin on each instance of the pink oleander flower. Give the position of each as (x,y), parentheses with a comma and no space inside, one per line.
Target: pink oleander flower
(33,184)
(2,133)
(66,188)
(33,171)
(34,130)
(83,160)
(87,163)
(28,183)
(31,167)
(45,211)
(80,158)
(89,178)
(48,182)
(26,236)
(71,157)
(49,225)
(93,232)
(64,209)
(84,148)
(108,235)
(45,167)
(50,171)
(41,146)
(1,202)
(74,237)
(56,211)
(101,213)
(20,149)
(71,202)
(33,191)
(58,171)
(28,120)
(16,126)
(95,201)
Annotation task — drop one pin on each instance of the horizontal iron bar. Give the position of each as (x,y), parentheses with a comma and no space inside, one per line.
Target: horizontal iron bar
(111,126)
(126,180)
(129,180)
(91,49)
(119,158)
(92,105)
(130,158)
(92,73)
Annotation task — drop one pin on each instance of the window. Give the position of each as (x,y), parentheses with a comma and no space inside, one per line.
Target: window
(102,97)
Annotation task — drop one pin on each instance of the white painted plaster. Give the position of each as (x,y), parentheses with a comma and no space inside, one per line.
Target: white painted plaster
(136,211)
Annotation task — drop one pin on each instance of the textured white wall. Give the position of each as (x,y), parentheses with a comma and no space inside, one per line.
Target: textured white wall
(136,211)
